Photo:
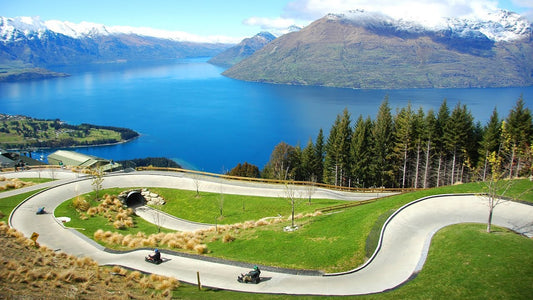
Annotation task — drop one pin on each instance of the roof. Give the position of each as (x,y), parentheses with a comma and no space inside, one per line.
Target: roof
(5,161)
(71,158)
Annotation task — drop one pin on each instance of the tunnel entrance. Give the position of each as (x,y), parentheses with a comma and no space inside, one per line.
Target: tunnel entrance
(135,199)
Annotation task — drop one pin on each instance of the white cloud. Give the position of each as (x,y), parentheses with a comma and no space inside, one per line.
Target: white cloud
(427,10)
(303,12)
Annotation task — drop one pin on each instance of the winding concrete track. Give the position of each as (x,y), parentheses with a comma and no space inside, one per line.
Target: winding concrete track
(401,253)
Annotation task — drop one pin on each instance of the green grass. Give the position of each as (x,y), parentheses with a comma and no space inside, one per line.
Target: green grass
(89,226)
(339,241)
(464,262)
(9,203)
(236,208)
(36,180)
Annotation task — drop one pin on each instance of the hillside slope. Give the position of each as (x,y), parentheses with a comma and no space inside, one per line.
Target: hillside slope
(338,52)
(244,49)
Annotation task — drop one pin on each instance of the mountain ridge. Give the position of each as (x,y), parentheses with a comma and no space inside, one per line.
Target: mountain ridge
(376,52)
(31,43)
(244,49)
(34,25)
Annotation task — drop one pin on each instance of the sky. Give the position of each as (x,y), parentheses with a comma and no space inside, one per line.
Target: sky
(241,18)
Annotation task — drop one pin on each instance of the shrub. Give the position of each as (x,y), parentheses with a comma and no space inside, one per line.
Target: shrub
(200,249)
(228,238)
(99,235)
(129,222)
(81,204)
(92,211)
(119,224)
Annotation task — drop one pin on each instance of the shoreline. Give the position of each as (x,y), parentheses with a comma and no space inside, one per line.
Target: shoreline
(78,146)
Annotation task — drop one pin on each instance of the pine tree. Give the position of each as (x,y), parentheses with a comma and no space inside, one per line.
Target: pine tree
(457,132)
(318,162)
(337,159)
(361,152)
(418,137)
(442,119)
(403,133)
(296,170)
(490,142)
(429,134)
(520,134)
(383,146)
(308,158)
(330,159)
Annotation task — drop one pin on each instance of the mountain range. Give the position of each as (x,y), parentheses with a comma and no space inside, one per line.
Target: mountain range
(357,49)
(369,50)
(28,42)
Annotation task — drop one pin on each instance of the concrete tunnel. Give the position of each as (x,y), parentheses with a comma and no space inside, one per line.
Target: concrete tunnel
(135,199)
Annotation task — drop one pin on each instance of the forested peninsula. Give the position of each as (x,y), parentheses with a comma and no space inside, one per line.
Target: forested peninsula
(21,132)
(411,148)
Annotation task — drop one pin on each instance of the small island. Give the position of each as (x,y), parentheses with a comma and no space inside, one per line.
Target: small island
(19,74)
(20,132)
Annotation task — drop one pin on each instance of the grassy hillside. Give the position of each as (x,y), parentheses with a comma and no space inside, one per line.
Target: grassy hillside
(21,131)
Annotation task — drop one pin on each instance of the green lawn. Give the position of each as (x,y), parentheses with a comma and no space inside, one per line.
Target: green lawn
(235,208)
(464,262)
(339,241)
(9,203)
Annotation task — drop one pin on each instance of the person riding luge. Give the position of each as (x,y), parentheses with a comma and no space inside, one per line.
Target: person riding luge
(155,258)
(252,276)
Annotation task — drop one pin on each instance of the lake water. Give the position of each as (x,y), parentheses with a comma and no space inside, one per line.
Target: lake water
(187,111)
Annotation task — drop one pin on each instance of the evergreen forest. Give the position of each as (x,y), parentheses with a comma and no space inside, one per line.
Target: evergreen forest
(410,148)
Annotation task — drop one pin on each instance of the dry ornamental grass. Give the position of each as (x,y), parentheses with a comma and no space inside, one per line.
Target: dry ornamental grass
(31,272)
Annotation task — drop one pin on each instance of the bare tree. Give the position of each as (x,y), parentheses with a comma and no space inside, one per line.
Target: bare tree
(291,195)
(311,188)
(97,180)
(196,181)
(158,220)
(496,189)
(221,202)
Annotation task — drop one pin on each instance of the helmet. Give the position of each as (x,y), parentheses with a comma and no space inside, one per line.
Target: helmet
(156,250)
(255,268)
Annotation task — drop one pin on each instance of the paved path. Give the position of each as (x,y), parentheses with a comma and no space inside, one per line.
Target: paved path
(402,251)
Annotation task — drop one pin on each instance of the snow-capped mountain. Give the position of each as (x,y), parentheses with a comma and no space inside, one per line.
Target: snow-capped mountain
(29,41)
(369,50)
(12,29)
(497,26)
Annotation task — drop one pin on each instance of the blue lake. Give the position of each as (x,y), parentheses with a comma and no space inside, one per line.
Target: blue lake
(187,111)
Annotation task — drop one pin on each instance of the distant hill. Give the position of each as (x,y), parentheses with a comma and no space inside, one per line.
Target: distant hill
(21,132)
(371,51)
(45,44)
(244,49)
(19,74)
